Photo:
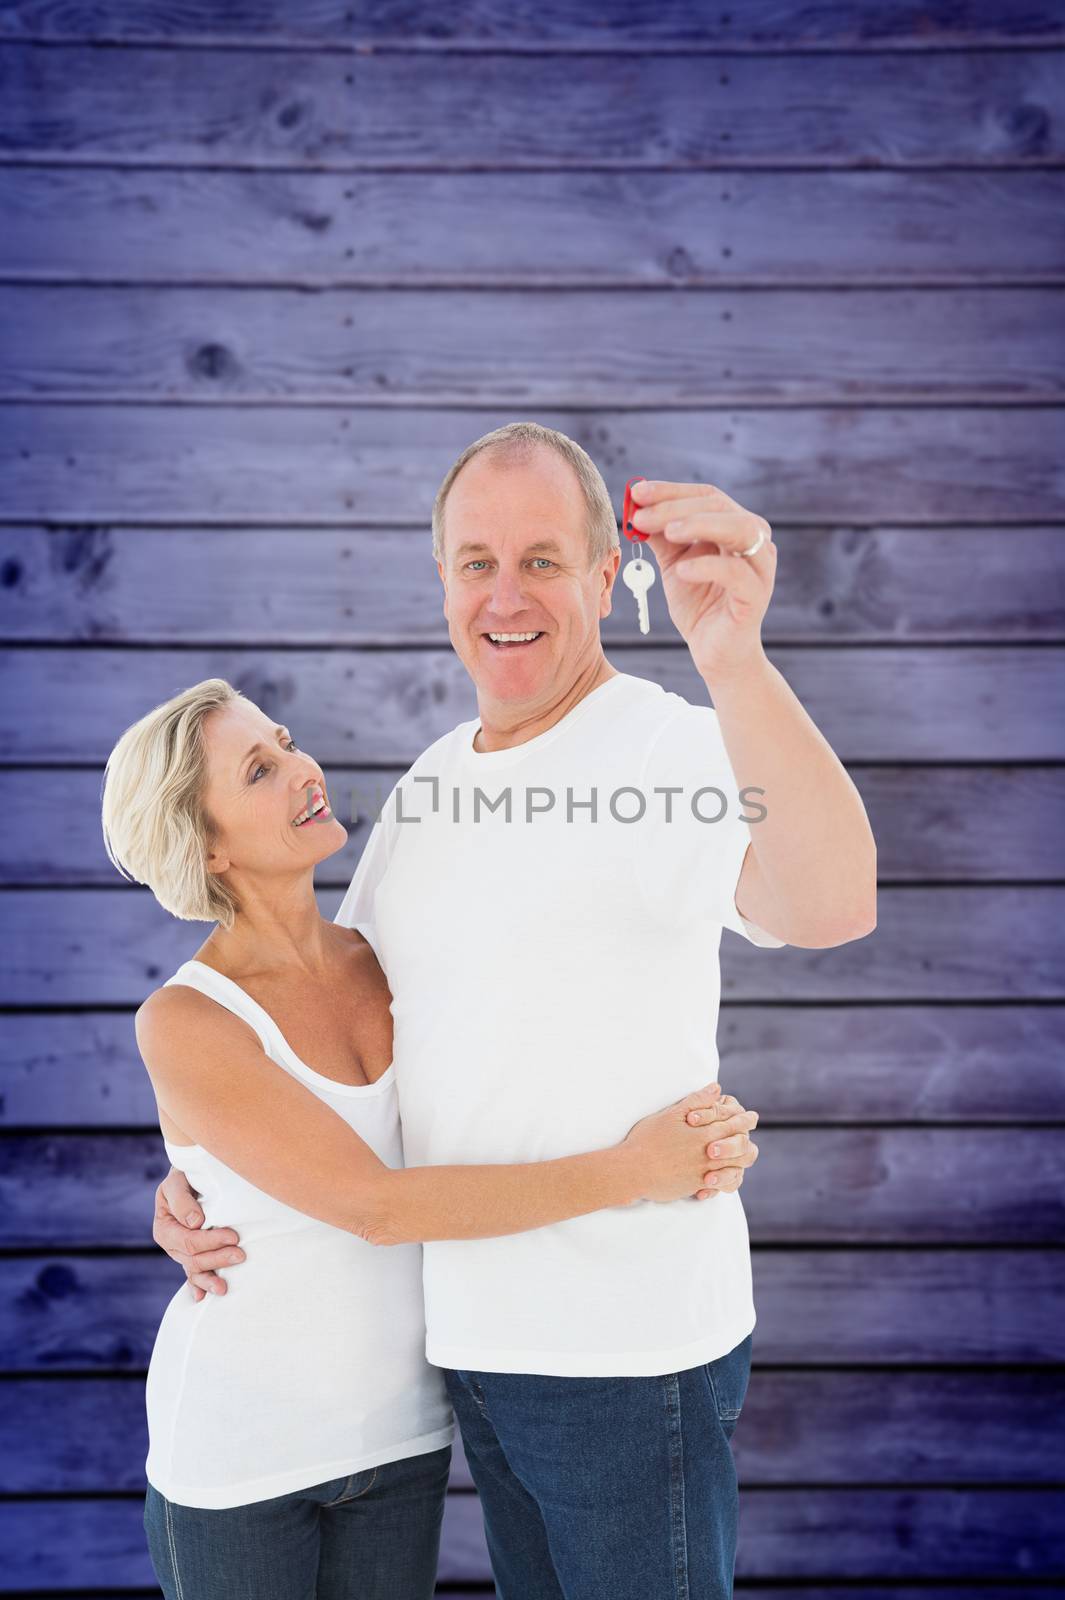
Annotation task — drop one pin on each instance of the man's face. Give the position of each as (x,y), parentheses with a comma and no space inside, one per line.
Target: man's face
(515,561)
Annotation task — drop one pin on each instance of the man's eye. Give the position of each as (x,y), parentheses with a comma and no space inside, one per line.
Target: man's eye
(545,561)
(292,745)
(476,563)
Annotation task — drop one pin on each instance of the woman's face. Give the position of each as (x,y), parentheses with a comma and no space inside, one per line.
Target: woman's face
(258,784)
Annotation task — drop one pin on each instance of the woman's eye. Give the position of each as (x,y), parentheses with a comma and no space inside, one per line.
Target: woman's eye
(290,744)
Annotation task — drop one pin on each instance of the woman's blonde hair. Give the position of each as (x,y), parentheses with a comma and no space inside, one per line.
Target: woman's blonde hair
(156,828)
(516,441)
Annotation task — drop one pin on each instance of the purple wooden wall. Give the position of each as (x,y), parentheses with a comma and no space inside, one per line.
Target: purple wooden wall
(265,269)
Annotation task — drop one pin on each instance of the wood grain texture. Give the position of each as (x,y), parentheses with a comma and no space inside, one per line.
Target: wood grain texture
(872,1427)
(824,1590)
(380,586)
(111,947)
(264,271)
(385,707)
(938,1533)
(261,109)
(437,346)
(670,228)
(825,1305)
(926,1064)
(977,824)
(93,1543)
(835,1185)
(487,24)
(272,466)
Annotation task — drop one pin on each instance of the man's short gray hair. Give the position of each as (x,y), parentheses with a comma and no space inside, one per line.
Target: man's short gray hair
(516,441)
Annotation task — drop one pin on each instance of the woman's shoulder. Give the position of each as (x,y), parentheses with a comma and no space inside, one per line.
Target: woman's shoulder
(350,938)
(360,955)
(168,1001)
(174,1011)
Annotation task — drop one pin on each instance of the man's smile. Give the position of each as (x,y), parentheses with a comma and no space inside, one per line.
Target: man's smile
(513,641)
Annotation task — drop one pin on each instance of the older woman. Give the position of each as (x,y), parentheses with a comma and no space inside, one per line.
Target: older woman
(300,1444)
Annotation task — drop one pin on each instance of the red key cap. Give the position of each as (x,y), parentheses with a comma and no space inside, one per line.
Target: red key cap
(627,510)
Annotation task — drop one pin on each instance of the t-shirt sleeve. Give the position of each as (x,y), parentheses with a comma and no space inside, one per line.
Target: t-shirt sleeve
(357,907)
(689,862)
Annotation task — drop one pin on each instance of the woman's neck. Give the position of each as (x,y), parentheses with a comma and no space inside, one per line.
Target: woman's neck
(275,929)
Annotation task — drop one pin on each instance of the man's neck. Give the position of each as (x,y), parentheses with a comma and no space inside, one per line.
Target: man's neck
(502,730)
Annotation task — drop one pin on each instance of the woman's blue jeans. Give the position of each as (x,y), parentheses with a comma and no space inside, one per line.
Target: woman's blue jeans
(607,1488)
(374,1535)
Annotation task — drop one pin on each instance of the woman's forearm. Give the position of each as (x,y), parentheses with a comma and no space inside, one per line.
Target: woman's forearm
(481,1202)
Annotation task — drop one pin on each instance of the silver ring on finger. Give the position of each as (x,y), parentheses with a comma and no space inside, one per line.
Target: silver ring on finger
(757,545)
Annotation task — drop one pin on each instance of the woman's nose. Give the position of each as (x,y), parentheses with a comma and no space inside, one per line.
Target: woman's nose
(306,777)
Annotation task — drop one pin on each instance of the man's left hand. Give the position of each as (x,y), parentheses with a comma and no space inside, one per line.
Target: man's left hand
(716,597)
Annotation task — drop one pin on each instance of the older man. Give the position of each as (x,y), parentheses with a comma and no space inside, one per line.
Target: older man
(545,890)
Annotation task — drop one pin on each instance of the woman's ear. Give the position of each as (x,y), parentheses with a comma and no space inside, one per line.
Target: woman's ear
(217,860)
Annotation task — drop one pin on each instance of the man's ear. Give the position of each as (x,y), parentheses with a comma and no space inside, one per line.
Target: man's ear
(609,573)
(443,580)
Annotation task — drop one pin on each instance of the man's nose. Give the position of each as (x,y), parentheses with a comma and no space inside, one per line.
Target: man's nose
(508,592)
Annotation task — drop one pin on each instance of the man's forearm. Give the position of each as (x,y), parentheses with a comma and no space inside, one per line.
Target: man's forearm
(482,1202)
(815,849)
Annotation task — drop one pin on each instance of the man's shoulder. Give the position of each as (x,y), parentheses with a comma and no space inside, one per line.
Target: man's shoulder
(432,755)
(652,711)
(678,739)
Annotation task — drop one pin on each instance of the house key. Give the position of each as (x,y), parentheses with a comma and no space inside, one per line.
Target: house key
(639,575)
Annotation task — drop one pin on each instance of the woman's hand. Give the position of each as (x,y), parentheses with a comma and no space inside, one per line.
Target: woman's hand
(673,1156)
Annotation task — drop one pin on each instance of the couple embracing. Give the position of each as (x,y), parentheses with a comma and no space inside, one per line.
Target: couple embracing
(460,1154)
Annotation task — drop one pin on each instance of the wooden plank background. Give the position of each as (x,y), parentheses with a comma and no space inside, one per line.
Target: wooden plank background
(265,270)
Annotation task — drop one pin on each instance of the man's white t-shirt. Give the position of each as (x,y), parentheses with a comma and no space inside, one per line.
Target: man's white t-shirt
(555,977)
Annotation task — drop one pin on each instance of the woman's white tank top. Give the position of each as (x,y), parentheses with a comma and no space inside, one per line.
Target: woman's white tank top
(312,1365)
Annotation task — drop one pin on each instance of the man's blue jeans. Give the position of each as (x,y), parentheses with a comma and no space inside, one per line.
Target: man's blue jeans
(374,1535)
(607,1488)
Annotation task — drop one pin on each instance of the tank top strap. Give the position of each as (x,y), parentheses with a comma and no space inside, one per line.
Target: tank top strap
(198,975)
